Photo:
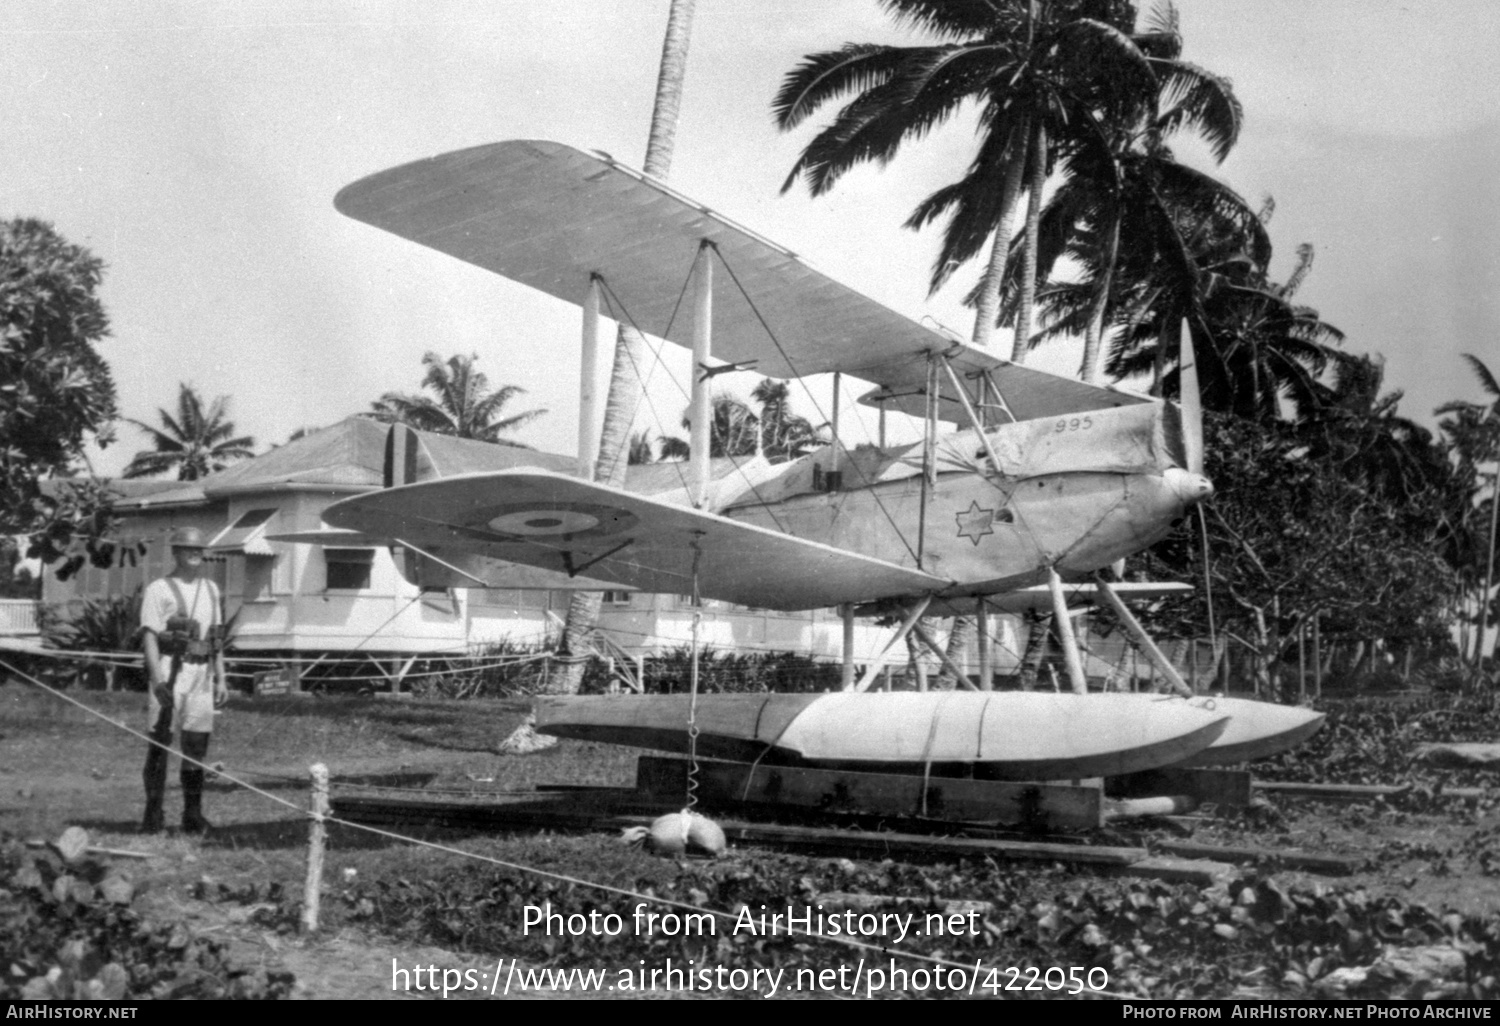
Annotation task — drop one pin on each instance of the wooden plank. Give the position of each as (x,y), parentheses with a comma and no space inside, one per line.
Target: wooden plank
(559,814)
(1356,792)
(883,845)
(1459,755)
(1228,788)
(1046,807)
(612,814)
(1331,865)
(1194,871)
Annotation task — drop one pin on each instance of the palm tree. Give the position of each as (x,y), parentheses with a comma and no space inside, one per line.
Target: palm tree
(194,443)
(625,386)
(1049,76)
(784,435)
(1199,253)
(465,406)
(640,449)
(1476,435)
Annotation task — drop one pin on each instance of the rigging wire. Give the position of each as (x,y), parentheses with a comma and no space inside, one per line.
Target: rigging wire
(864,479)
(612,299)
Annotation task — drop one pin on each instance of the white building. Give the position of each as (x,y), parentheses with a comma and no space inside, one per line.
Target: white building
(301,602)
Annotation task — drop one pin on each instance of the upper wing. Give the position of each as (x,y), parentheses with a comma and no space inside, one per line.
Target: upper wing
(1029,393)
(563,524)
(550,216)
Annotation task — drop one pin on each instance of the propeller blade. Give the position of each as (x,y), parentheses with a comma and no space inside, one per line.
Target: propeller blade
(1191,402)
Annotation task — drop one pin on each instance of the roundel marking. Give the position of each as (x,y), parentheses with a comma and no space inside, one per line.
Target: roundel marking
(557,520)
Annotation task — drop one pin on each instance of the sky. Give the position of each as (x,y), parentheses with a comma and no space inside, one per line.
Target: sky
(196,147)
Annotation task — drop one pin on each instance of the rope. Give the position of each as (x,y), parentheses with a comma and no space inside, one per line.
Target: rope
(623,892)
(693,768)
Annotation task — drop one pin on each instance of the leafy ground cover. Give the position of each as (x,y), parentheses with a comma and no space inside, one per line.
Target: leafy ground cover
(1420,917)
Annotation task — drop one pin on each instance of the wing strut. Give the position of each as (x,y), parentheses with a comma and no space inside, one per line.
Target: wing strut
(1065,633)
(873,670)
(701,417)
(588,418)
(442,562)
(959,676)
(1135,630)
(963,398)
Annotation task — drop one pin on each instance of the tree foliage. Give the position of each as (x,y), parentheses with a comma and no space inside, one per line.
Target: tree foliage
(56,391)
(462,403)
(1050,80)
(1295,531)
(193,442)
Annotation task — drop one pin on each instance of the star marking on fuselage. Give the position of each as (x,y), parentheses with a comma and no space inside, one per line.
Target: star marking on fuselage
(974,523)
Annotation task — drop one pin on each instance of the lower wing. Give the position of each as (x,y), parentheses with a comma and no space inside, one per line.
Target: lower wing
(563,524)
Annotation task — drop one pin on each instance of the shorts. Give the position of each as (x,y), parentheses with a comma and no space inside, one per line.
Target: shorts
(192,699)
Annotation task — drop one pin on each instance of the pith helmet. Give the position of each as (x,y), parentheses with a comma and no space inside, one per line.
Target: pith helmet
(187,538)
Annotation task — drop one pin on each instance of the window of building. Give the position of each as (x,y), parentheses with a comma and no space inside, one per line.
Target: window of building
(258,578)
(617,598)
(348,569)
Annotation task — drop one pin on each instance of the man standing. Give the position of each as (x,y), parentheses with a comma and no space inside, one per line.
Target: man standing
(185,670)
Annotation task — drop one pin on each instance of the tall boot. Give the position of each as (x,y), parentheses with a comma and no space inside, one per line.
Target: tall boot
(154,776)
(194,746)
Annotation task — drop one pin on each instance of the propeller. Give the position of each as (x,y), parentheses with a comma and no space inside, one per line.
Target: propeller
(1191,402)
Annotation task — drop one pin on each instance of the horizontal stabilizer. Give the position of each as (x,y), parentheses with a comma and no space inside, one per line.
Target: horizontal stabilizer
(574,527)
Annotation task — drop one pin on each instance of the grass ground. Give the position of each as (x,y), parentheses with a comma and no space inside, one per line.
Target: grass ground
(63,767)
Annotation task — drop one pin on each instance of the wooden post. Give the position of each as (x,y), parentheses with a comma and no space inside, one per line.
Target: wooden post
(1302,661)
(1317,654)
(1065,634)
(317,836)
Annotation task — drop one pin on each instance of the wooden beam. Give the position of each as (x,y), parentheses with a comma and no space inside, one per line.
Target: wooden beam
(1034,806)
(1209,786)
(1357,792)
(1330,865)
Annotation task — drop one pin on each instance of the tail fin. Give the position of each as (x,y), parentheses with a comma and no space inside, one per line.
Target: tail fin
(402,448)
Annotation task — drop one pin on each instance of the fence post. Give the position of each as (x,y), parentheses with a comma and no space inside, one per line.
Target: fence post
(317,835)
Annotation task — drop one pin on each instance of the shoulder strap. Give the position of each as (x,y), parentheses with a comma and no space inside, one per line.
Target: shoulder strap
(182,608)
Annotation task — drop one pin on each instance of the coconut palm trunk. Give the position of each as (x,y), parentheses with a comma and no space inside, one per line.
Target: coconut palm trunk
(987,304)
(625,385)
(1027,300)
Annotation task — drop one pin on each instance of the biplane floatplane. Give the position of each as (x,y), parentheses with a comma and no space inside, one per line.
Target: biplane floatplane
(1045,479)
